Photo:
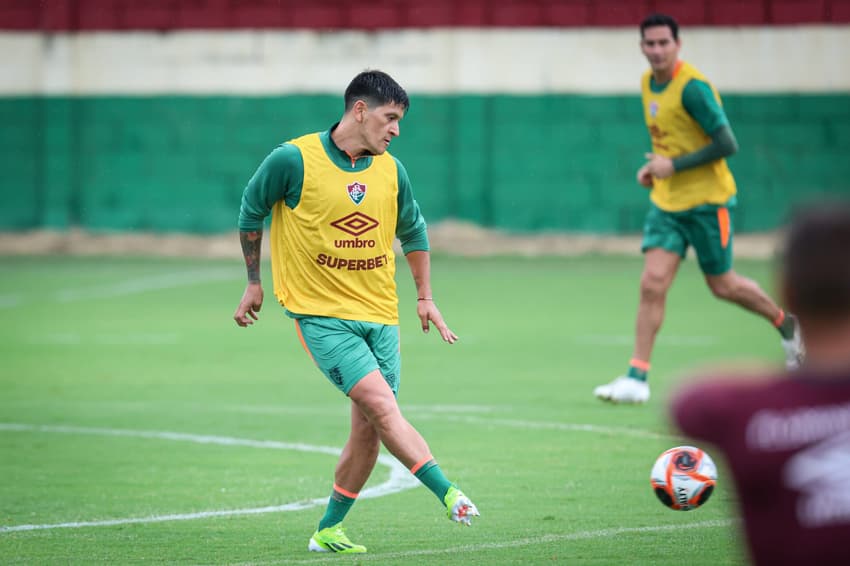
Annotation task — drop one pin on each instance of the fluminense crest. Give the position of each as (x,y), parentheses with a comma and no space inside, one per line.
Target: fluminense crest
(356,191)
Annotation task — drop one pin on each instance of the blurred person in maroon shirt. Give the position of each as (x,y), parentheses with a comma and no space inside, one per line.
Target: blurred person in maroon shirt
(786,436)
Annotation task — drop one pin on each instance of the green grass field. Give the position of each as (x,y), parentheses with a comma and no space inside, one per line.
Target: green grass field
(138,424)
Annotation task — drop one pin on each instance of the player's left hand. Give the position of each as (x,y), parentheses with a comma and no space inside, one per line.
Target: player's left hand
(428,311)
(659,166)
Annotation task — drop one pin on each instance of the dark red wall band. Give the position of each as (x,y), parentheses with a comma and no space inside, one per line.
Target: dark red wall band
(94,15)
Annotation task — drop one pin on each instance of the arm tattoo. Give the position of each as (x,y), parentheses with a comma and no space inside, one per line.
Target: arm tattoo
(251,245)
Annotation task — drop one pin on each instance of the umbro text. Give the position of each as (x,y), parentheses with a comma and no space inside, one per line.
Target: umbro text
(354,243)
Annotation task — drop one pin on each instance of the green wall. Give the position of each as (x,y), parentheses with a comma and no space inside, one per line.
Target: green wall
(522,163)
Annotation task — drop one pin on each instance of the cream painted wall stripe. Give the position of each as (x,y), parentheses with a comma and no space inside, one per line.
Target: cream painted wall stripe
(442,61)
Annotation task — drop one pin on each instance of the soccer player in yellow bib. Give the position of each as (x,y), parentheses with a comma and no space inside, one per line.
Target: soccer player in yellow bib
(338,200)
(692,194)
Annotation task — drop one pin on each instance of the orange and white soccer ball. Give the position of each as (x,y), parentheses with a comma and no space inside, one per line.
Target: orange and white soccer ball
(683,478)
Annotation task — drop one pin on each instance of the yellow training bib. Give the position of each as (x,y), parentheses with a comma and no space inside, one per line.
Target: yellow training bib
(332,254)
(675,133)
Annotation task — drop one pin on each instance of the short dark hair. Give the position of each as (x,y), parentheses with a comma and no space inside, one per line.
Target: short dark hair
(376,88)
(657,20)
(816,262)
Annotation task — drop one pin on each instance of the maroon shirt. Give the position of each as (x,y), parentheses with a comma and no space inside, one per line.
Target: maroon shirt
(787,443)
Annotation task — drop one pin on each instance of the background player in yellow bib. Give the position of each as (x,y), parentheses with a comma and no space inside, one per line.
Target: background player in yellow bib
(338,200)
(692,195)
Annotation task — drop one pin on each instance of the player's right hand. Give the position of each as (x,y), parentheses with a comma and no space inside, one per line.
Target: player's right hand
(250,305)
(644,177)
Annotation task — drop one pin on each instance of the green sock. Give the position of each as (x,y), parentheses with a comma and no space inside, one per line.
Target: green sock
(432,476)
(637,373)
(786,329)
(338,506)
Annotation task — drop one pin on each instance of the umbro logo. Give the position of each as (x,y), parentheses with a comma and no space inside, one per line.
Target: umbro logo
(355,224)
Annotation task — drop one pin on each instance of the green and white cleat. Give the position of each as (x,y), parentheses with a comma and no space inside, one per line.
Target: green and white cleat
(459,507)
(624,389)
(795,350)
(334,539)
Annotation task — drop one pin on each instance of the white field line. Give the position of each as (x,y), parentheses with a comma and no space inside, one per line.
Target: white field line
(453,408)
(10,301)
(400,478)
(145,284)
(529,541)
(73,339)
(133,286)
(543,425)
(344,409)
(441,413)
(420,412)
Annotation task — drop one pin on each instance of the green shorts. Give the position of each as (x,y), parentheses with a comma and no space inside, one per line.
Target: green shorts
(347,350)
(707,228)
